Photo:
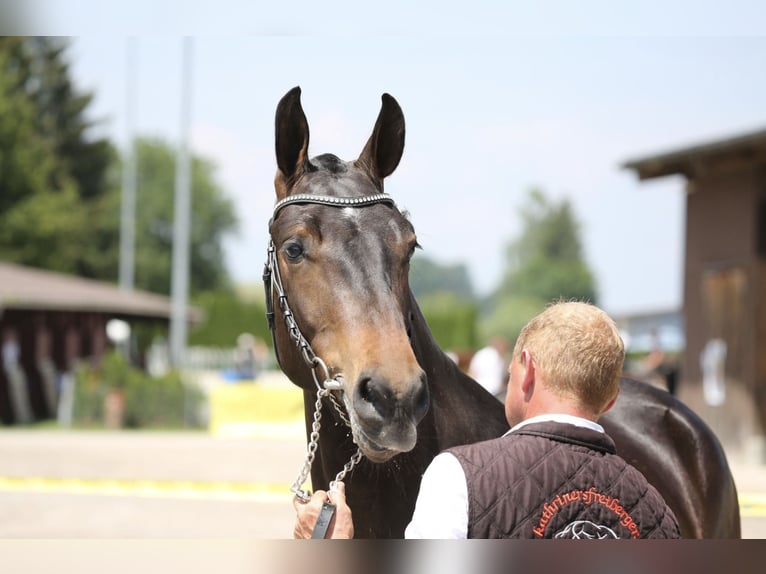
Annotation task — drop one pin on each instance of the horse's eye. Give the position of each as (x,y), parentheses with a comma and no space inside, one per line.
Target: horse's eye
(294,251)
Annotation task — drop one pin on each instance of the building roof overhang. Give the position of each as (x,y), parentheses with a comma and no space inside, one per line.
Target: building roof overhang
(693,160)
(28,288)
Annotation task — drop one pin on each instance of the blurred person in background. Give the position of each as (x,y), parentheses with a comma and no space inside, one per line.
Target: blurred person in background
(488,367)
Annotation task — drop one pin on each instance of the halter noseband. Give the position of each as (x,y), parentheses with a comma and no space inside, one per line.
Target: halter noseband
(272,282)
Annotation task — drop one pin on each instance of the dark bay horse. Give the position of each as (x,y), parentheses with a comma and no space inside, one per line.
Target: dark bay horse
(342,311)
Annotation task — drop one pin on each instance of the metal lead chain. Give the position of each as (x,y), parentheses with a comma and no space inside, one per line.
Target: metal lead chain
(339,408)
(296,489)
(311,449)
(355,458)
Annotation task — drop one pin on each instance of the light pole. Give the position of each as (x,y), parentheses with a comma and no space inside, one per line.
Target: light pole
(128,198)
(182,219)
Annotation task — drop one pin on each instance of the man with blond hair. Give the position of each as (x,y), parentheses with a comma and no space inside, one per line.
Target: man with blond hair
(555,474)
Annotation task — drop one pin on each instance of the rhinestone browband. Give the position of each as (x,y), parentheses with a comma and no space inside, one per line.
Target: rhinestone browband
(334,201)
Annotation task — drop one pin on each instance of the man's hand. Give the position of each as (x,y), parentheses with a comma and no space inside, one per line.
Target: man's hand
(341,525)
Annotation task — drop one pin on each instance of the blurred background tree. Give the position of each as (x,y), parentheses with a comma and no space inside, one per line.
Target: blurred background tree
(60,200)
(428,276)
(543,264)
(41,204)
(446,298)
(213,218)
(60,115)
(228,314)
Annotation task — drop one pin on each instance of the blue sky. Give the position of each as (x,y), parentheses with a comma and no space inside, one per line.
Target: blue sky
(496,100)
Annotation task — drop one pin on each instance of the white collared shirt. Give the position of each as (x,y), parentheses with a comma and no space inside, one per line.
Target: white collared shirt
(441,510)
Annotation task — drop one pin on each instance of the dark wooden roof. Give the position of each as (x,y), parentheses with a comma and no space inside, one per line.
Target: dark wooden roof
(689,161)
(36,289)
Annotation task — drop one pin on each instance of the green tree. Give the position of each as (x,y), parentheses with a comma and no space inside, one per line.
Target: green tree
(545,263)
(61,116)
(26,161)
(446,298)
(59,186)
(428,276)
(452,320)
(227,315)
(213,218)
(52,174)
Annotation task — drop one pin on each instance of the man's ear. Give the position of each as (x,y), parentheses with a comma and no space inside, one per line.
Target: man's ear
(528,372)
(610,404)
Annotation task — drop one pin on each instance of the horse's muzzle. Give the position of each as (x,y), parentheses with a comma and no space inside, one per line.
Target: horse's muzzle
(387,418)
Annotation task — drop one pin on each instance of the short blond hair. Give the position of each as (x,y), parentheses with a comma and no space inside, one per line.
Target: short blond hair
(578,350)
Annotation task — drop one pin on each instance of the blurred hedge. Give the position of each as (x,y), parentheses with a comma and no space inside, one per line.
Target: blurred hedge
(227,315)
(149,402)
(452,320)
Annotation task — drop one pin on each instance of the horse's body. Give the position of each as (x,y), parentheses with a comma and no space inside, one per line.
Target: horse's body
(345,273)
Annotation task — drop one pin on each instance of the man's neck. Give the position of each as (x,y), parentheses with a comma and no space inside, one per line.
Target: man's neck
(553,404)
(559,418)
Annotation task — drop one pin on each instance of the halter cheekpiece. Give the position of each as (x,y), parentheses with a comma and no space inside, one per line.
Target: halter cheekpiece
(272,283)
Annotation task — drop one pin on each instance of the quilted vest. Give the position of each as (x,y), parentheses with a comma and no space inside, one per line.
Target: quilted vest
(556,480)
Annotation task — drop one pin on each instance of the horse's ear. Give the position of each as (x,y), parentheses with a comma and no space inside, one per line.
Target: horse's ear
(291,142)
(384,149)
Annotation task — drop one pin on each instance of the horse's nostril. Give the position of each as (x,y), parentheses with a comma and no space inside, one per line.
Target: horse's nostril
(422,402)
(378,395)
(381,399)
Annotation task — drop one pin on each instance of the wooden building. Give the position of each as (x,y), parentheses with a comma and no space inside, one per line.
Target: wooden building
(50,321)
(724,294)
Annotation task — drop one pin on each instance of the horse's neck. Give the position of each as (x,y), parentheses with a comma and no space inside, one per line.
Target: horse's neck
(461,410)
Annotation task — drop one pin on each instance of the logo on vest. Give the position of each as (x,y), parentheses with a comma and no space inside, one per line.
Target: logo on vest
(583,527)
(586,530)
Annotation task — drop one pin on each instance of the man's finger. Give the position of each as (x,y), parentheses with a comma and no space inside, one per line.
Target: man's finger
(337,493)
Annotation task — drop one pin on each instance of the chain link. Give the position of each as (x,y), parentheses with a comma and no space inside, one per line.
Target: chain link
(296,487)
(348,467)
(310,451)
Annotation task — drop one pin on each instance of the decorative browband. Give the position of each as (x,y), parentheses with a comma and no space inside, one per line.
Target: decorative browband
(334,201)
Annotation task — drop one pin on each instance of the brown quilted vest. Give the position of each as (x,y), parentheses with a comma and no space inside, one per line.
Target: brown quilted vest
(556,480)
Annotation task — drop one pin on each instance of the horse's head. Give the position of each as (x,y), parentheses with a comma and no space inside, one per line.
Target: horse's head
(344,270)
